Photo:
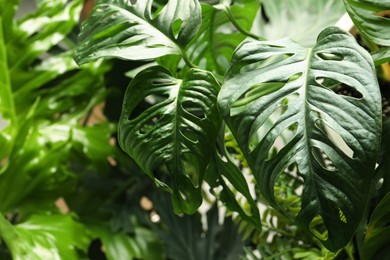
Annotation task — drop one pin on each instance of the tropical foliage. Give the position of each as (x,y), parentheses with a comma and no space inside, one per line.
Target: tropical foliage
(260,121)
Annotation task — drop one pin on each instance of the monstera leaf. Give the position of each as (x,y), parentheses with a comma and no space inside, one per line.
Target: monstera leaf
(177,132)
(282,78)
(368,16)
(119,28)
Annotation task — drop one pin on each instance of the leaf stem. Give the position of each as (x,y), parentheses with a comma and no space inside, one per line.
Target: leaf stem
(187,59)
(238,26)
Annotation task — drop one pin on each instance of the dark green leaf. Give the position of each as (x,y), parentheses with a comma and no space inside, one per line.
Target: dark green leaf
(223,172)
(281,78)
(377,239)
(185,237)
(369,16)
(382,172)
(7,106)
(118,28)
(176,132)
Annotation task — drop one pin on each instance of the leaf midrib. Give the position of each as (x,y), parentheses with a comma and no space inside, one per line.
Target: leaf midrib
(144,20)
(176,132)
(306,113)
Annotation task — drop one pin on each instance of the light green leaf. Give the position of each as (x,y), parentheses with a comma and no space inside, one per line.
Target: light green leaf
(46,237)
(118,28)
(177,132)
(282,78)
(367,16)
(51,96)
(377,239)
(300,20)
(35,35)
(7,106)
(38,32)
(7,12)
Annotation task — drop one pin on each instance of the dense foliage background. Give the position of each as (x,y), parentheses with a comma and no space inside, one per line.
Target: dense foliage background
(211,130)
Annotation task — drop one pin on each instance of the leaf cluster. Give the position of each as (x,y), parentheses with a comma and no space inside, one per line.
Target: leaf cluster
(258,108)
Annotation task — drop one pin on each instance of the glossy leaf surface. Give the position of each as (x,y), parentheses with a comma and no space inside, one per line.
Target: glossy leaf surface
(371,18)
(281,77)
(178,131)
(122,29)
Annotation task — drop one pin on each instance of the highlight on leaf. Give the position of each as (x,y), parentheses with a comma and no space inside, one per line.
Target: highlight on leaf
(371,19)
(134,30)
(171,139)
(278,87)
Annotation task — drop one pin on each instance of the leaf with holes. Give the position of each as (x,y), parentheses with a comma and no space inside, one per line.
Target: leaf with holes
(122,29)
(282,78)
(175,136)
(371,17)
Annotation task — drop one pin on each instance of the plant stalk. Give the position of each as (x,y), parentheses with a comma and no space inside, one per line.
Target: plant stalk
(238,26)
(187,59)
